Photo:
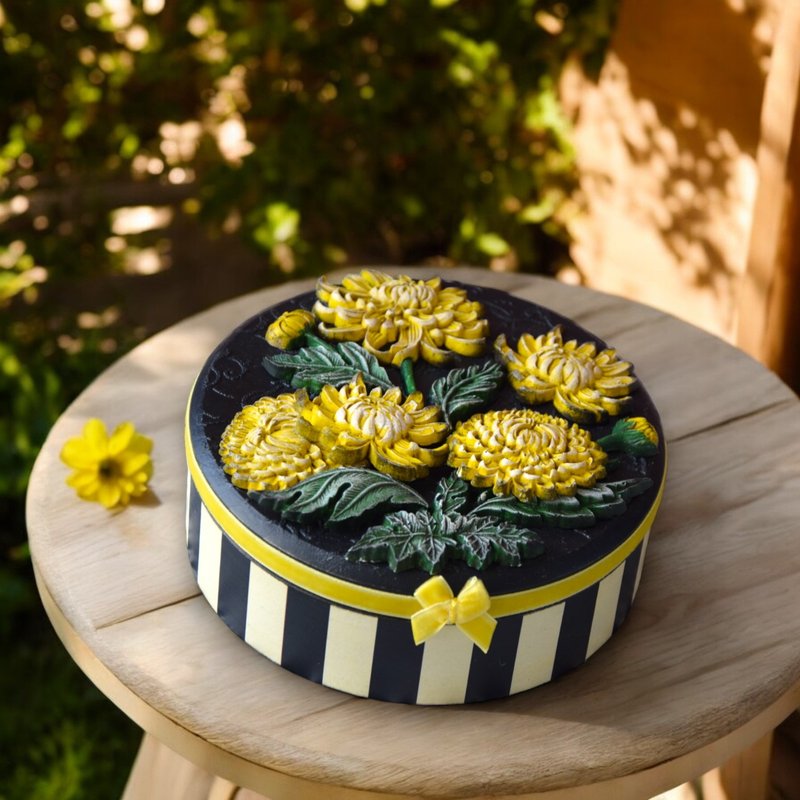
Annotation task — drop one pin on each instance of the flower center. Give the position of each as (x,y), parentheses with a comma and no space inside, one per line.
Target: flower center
(520,437)
(108,469)
(402,296)
(375,418)
(565,367)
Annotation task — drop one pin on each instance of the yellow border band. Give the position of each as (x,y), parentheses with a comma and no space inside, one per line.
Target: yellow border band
(377,601)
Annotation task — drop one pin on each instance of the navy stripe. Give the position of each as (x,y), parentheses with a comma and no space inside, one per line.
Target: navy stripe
(234,581)
(627,586)
(490,673)
(396,662)
(193,525)
(304,634)
(576,626)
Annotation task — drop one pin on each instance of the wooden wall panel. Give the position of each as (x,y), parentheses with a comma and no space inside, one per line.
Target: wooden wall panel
(666,143)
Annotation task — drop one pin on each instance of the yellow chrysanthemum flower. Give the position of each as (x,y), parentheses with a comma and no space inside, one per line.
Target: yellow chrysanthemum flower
(582,383)
(108,469)
(262,448)
(289,328)
(524,453)
(400,318)
(353,426)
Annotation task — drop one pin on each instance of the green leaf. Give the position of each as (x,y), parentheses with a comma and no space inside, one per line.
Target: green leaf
(404,541)
(483,542)
(426,539)
(463,391)
(630,488)
(537,512)
(603,501)
(451,494)
(339,494)
(323,363)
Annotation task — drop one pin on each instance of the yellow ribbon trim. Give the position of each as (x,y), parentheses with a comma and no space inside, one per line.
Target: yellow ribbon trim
(469,611)
(377,601)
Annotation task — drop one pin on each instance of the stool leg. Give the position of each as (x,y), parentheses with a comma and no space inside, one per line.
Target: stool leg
(160,774)
(744,777)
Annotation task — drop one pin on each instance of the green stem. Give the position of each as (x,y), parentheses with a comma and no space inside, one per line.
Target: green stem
(407,373)
(312,340)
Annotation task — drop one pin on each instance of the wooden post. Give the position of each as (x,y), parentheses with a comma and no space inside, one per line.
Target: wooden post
(768,322)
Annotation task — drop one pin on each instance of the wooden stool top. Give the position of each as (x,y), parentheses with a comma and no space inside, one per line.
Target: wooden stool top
(707,662)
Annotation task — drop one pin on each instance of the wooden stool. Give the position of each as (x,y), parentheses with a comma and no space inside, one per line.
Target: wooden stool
(706,665)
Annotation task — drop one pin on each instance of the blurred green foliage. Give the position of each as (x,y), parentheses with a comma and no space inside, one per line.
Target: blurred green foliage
(323,133)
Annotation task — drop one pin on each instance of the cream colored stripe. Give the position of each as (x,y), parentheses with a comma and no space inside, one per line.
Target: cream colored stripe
(188,507)
(641,562)
(445,667)
(536,651)
(605,609)
(348,651)
(266,613)
(208,557)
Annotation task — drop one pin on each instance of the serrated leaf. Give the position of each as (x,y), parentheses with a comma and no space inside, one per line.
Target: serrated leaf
(483,541)
(339,494)
(404,541)
(322,363)
(451,494)
(463,391)
(425,539)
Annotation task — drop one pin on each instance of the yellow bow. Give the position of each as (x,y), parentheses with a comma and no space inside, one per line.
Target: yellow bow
(439,608)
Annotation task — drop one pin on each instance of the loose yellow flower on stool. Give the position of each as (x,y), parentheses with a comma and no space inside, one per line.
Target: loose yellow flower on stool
(110,470)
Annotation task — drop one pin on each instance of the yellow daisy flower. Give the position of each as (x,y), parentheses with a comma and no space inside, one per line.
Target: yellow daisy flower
(525,453)
(108,469)
(262,448)
(582,383)
(400,318)
(353,426)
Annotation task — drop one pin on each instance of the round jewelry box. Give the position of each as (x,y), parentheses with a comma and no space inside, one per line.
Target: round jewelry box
(490,541)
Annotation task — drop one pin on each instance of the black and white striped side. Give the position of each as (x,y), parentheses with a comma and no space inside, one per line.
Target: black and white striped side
(375,656)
